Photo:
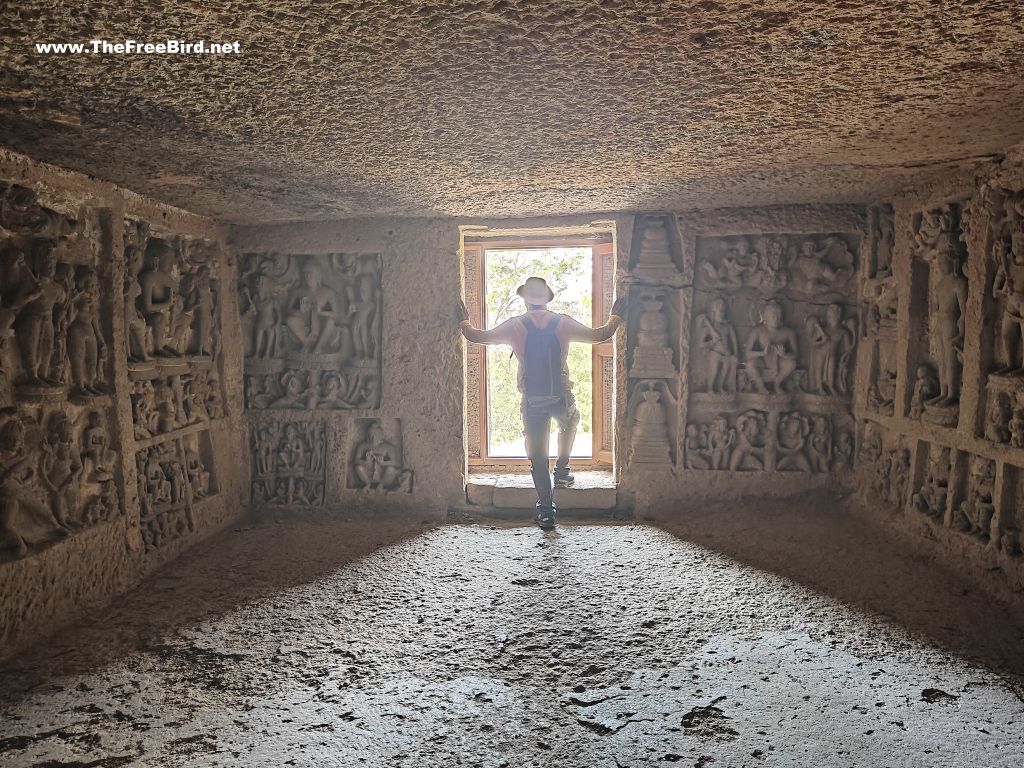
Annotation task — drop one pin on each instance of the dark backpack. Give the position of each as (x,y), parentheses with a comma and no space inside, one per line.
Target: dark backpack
(542,361)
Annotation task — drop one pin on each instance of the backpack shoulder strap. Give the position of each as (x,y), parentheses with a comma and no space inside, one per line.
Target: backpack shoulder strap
(528,323)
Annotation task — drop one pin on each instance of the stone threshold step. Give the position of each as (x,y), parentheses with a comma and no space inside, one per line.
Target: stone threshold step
(592,491)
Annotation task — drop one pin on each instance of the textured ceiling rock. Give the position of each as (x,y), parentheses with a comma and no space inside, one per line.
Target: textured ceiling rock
(513,107)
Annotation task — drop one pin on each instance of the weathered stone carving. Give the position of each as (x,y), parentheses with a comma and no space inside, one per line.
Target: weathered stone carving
(883,240)
(57,471)
(654,249)
(652,354)
(709,446)
(796,265)
(794,431)
(40,325)
(313,329)
(831,345)
(815,269)
(649,415)
(171,303)
(749,451)
(937,240)
(164,495)
(56,476)
(932,497)
(377,462)
(974,516)
(87,349)
(770,354)
(773,313)
(926,387)
(288,463)
(715,338)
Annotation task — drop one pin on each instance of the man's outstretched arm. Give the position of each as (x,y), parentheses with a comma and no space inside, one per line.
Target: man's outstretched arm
(502,334)
(580,332)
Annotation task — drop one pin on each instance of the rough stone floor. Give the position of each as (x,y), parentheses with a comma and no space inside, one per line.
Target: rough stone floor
(781,636)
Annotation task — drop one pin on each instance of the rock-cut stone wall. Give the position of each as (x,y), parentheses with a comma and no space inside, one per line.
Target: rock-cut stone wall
(740,354)
(119,446)
(353,382)
(940,393)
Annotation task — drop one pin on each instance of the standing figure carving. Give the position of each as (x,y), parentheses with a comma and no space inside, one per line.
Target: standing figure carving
(140,335)
(159,296)
(1008,285)
(947,326)
(716,338)
(87,352)
(831,346)
(266,318)
(41,321)
(199,304)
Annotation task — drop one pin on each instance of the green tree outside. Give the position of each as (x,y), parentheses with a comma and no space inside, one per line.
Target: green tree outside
(569,272)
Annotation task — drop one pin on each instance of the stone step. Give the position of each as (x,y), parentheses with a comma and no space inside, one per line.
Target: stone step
(593,490)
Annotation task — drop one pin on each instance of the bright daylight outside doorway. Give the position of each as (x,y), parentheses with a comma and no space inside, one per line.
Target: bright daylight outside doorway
(569,272)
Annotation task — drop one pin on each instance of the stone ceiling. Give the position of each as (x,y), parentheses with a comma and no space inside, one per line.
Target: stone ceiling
(513,107)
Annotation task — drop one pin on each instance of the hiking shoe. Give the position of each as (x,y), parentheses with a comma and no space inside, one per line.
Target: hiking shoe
(545,519)
(564,478)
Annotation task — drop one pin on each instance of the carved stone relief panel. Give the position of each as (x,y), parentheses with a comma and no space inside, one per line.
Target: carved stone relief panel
(289,463)
(1008,528)
(880,308)
(58,469)
(974,513)
(884,462)
(652,419)
(174,360)
(773,332)
(376,461)
(173,475)
(931,496)
(810,267)
(1004,393)
(938,241)
(313,330)
(57,475)
(172,299)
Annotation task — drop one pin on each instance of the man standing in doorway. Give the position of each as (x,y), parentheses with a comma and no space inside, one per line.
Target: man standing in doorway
(540,341)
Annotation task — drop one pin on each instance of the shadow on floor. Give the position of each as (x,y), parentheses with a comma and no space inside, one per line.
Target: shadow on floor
(816,542)
(256,558)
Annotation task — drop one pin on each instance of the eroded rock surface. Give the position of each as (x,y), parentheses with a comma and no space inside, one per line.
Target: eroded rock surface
(490,646)
(512,107)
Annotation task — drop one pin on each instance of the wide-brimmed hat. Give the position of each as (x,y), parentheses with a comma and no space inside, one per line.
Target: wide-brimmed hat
(535,291)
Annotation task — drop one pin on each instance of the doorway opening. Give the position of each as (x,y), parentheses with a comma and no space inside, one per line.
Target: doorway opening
(580,271)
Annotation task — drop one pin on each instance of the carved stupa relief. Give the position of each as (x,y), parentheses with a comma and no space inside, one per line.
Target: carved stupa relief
(655,251)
